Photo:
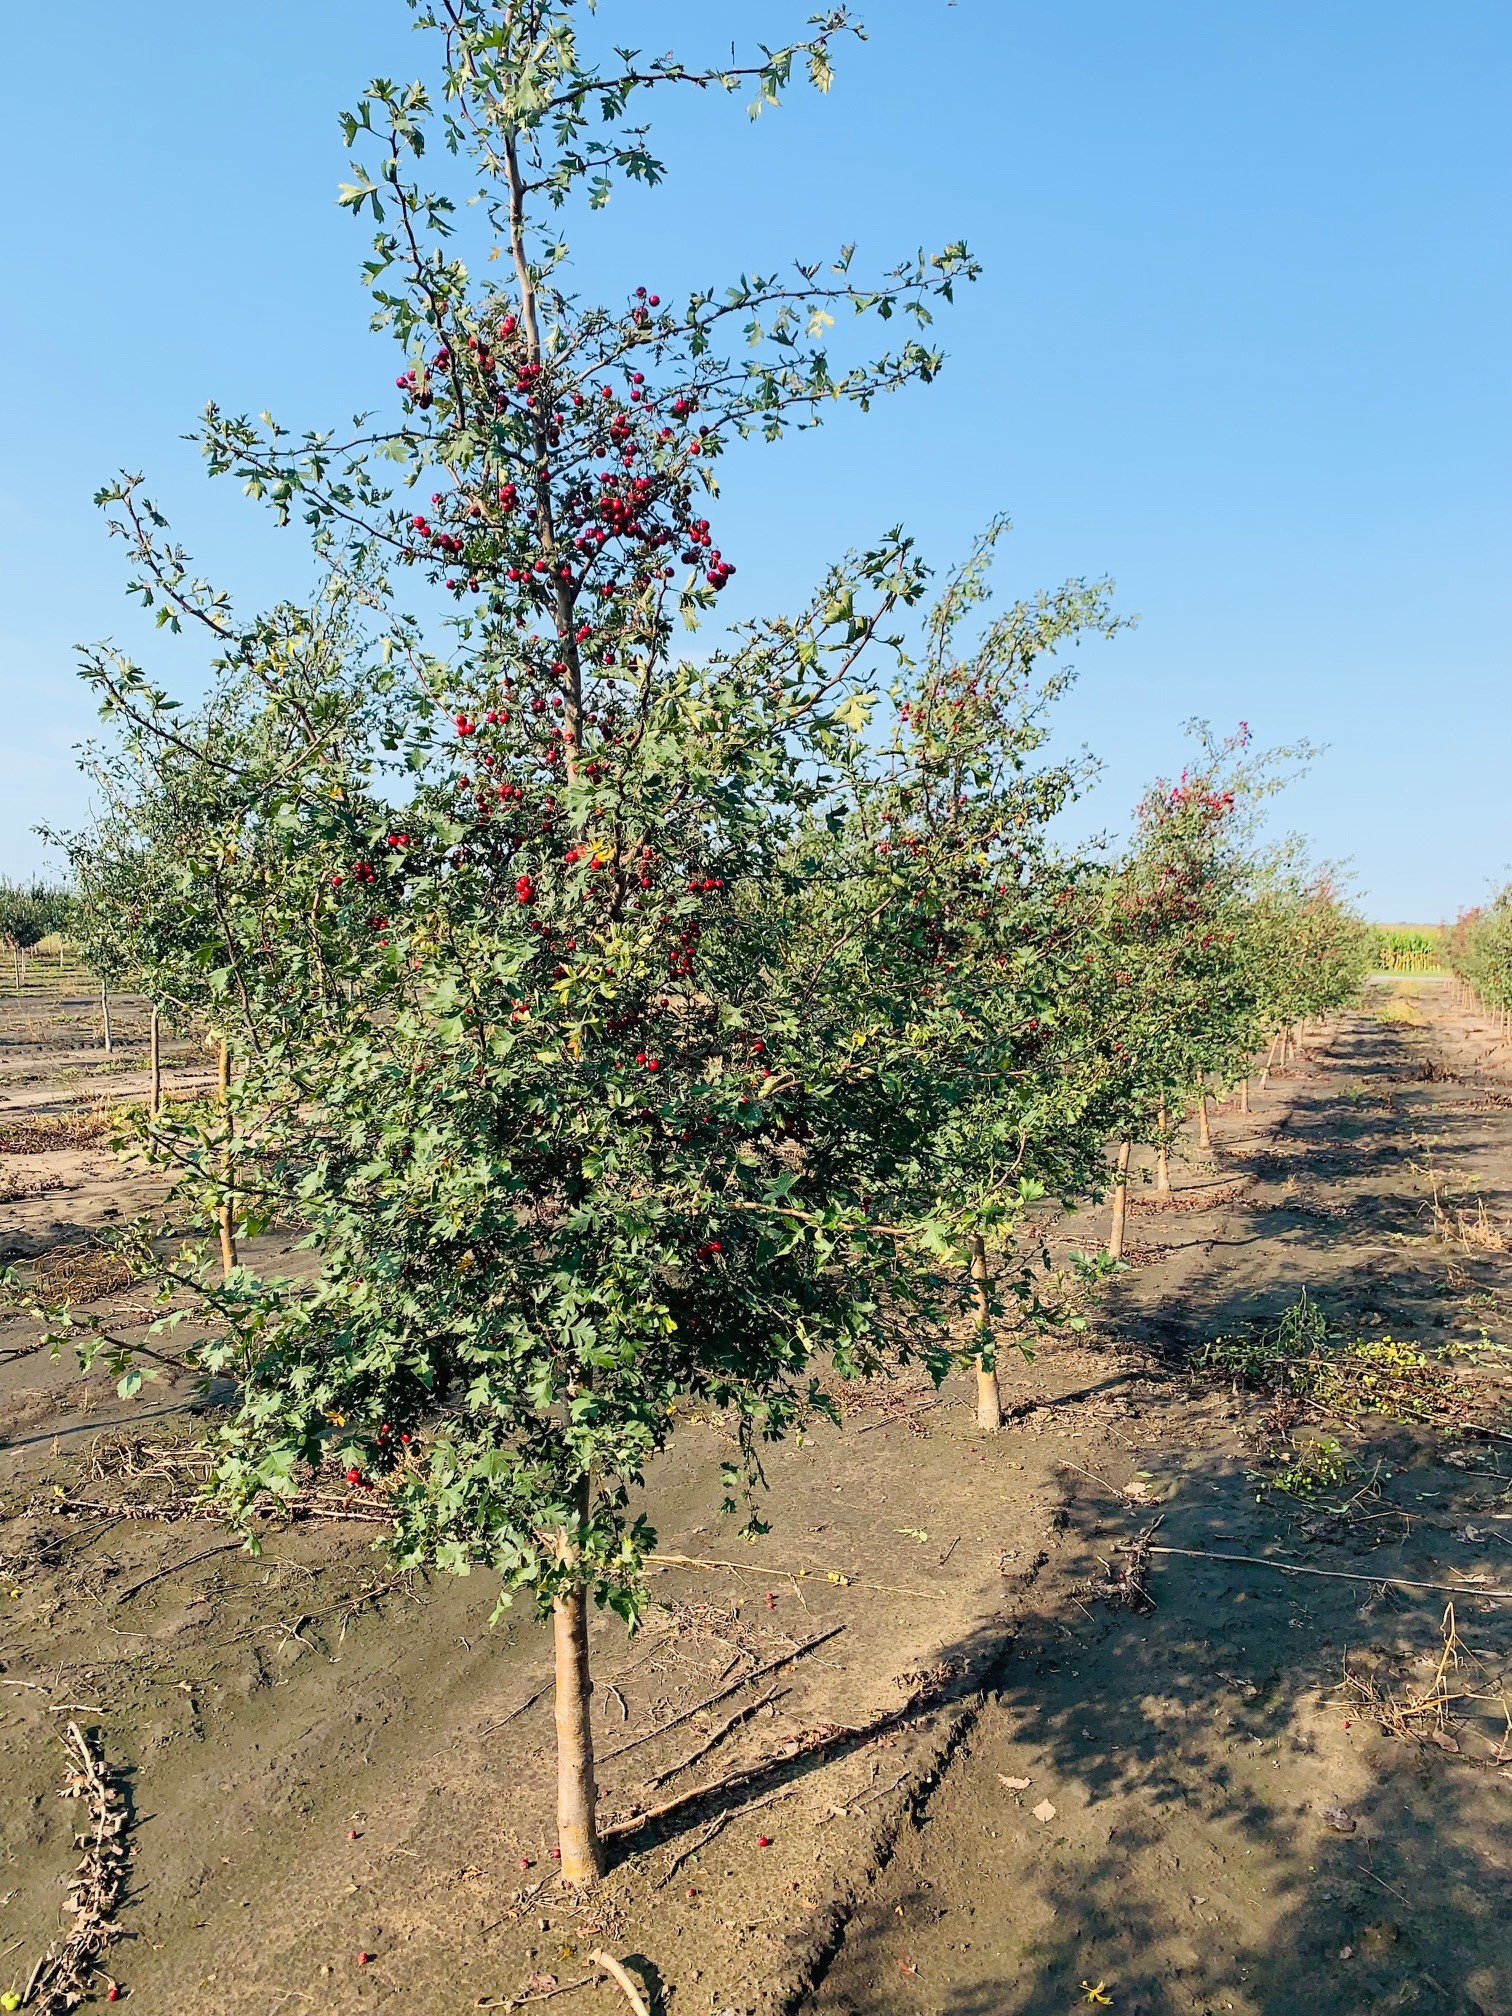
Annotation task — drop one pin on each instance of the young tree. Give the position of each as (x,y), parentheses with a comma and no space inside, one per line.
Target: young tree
(502,940)
(972,942)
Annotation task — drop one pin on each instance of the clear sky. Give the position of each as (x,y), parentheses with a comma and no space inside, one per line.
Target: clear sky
(1242,343)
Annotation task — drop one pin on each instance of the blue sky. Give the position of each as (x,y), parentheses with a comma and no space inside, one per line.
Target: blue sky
(1242,344)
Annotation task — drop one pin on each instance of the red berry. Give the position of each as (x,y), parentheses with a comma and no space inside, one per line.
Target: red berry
(762,1841)
(354,1476)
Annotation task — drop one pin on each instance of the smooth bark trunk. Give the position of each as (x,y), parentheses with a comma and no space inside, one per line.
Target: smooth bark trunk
(577,1793)
(1244,1105)
(155,1064)
(1163,1156)
(1120,1202)
(1204,1123)
(989,1407)
(226,1213)
(105,1012)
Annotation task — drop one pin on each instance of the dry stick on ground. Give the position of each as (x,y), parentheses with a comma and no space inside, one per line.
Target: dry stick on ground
(717,1826)
(1338,1574)
(612,1967)
(793,1575)
(694,1756)
(756,1673)
(226,1547)
(61,1978)
(907,1414)
(810,1744)
(529,1702)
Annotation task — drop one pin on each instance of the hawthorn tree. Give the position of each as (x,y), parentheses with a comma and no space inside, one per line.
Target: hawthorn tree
(502,938)
(1170,983)
(971,929)
(1480,954)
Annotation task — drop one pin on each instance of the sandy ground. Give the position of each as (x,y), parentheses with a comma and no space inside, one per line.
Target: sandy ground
(340,1782)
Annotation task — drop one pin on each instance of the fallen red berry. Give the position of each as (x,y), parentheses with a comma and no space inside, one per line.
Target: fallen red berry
(762,1841)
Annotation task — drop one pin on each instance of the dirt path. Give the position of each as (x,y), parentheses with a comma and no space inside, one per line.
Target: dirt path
(325,1763)
(1142,1811)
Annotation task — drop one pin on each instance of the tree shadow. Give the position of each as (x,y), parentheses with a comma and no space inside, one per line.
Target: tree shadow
(1192,1756)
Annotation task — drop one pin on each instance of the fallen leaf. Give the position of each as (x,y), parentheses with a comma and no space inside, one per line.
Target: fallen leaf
(1044,1810)
(1015,1784)
(907,1967)
(1339,1819)
(1094,1993)
(1444,1741)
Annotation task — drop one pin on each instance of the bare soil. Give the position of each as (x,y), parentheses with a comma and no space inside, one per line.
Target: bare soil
(340,1783)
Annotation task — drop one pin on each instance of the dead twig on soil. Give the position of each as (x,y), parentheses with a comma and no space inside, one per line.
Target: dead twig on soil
(695,1756)
(173,1568)
(1426,1717)
(757,1673)
(529,1702)
(1339,1574)
(717,1826)
(1126,1586)
(62,1977)
(622,1980)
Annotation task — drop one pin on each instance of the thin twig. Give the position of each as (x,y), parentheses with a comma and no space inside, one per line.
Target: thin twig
(717,1826)
(529,1702)
(1339,1574)
(616,1972)
(711,1742)
(173,1568)
(712,1700)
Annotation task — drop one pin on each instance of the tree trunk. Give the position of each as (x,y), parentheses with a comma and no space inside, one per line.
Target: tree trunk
(105,1012)
(1244,1105)
(577,1795)
(1269,1059)
(989,1407)
(155,1064)
(226,1212)
(1120,1202)
(1162,1156)
(1204,1124)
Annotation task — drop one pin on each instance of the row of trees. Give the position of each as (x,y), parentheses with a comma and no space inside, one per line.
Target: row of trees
(30,912)
(623,1024)
(1479,954)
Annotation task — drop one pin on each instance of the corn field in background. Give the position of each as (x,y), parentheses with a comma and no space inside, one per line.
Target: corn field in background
(1409,948)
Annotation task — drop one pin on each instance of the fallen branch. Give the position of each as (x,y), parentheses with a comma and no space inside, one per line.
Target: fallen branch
(226,1547)
(529,1702)
(1339,1574)
(810,1743)
(62,1977)
(717,1826)
(907,1414)
(616,1972)
(741,1715)
(713,1700)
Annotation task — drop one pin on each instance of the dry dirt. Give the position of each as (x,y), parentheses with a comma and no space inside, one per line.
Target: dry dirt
(991,1789)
